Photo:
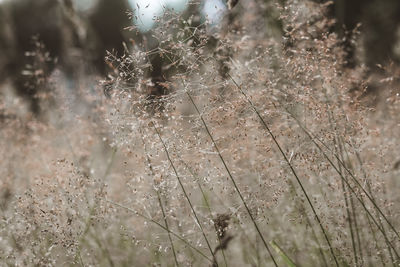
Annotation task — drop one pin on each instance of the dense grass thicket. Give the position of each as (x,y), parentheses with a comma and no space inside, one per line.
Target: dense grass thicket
(258,151)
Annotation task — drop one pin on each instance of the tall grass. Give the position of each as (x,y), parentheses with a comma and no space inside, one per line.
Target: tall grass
(259,155)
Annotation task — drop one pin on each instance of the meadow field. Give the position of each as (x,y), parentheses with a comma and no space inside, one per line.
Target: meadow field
(261,150)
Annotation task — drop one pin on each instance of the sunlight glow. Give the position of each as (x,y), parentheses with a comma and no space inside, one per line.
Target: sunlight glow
(147,11)
(214,10)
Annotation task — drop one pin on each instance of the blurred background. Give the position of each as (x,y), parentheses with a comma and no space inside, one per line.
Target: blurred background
(73,35)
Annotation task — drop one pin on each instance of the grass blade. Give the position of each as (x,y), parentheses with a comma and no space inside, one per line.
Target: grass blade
(163,227)
(291,168)
(184,191)
(283,255)
(231,177)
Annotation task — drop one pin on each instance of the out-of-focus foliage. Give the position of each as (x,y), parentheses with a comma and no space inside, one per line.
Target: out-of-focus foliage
(75,36)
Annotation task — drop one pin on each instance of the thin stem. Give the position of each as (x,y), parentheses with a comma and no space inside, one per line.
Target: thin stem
(184,191)
(379,250)
(347,182)
(92,207)
(159,198)
(302,210)
(166,226)
(338,146)
(291,168)
(161,226)
(367,181)
(231,177)
(351,175)
(207,205)
(352,204)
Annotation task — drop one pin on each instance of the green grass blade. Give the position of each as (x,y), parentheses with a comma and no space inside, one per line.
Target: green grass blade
(283,255)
